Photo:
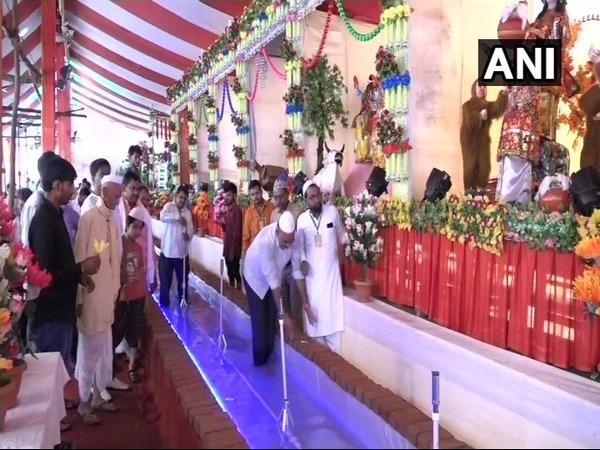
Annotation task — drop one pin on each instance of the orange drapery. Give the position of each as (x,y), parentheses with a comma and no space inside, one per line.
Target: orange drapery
(520,301)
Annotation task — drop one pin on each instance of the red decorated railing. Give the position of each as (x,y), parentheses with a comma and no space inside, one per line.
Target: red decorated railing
(521,300)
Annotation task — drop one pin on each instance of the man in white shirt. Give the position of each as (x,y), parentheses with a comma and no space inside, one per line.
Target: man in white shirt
(178,230)
(320,230)
(98,168)
(272,249)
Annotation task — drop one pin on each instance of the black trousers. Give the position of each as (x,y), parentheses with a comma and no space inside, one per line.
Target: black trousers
(166,268)
(233,271)
(263,319)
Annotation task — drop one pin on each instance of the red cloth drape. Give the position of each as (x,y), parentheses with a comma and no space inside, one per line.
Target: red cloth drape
(521,300)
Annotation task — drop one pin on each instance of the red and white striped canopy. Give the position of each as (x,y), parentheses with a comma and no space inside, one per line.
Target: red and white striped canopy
(125,53)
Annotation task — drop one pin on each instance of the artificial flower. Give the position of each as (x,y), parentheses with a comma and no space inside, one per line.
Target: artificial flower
(37,277)
(21,254)
(100,246)
(6,364)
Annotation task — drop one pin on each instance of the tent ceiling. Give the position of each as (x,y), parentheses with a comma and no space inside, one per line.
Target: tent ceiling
(125,53)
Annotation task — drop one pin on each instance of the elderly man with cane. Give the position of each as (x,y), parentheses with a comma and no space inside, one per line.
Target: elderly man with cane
(266,258)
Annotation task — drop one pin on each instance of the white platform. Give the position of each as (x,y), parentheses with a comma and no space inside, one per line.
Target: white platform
(490,398)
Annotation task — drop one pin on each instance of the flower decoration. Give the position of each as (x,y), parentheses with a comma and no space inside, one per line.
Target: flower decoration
(201,209)
(540,230)
(287,51)
(213,160)
(18,272)
(237,86)
(192,140)
(395,212)
(220,207)
(363,243)
(386,65)
(586,288)
(289,142)
(588,248)
(476,222)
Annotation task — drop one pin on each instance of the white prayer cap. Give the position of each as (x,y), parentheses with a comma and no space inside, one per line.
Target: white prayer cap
(286,222)
(308,184)
(594,54)
(116,179)
(137,213)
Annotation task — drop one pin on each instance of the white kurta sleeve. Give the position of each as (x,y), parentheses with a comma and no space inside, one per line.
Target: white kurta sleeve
(269,268)
(297,258)
(339,227)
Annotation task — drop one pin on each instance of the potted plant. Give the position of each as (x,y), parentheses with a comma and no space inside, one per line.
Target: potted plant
(363,243)
(6,389)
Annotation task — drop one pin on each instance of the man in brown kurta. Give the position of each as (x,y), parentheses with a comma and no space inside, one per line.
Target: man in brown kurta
(232,243)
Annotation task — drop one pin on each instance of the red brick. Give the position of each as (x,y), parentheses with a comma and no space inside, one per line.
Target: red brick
(392,404)
(205,425)
(241,444)
(423,433)
(371,398)
(401,419)
(222,439)
(197,390)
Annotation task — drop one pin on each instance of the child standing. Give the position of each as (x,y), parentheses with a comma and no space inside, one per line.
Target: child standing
(129,311)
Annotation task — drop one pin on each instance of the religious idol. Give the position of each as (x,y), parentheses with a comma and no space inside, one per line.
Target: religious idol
(365,145)
(530,119)
(590,107)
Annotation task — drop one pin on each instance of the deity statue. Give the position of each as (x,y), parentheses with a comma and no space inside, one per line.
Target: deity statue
(366,145)
(590,106)
(477,116)
(529,125)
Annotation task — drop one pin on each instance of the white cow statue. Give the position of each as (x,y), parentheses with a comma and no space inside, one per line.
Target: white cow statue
(329,178)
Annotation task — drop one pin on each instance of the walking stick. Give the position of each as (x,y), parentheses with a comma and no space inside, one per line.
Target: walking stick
(221,341)
(285,416)
(435,414)
(183,303)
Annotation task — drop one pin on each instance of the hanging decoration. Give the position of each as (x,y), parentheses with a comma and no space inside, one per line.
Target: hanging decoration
(261,22)
(213,137)
(391,65)
(241,121)
(293,136)
(361,37)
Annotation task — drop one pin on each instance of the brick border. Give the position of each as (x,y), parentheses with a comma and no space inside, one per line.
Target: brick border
(400,414)
(212,425)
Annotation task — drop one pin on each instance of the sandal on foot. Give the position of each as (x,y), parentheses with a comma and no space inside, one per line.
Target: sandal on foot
(89,418)
(105,407)
(134,376)
(64,426)
(71,404)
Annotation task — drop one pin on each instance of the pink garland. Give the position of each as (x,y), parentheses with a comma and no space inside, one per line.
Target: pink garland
(280,75)
(255,90)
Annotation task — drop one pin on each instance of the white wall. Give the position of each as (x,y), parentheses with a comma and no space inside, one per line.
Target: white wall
(99,137)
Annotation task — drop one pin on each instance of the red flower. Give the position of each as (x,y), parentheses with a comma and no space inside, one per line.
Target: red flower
(38,277)
(22,255)
(6,229)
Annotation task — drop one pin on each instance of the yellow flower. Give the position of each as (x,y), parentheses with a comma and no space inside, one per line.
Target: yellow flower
(6,364)
(4,317)
(100,246)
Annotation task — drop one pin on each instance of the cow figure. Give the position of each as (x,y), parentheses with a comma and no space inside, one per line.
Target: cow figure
(329,178)
(267,174)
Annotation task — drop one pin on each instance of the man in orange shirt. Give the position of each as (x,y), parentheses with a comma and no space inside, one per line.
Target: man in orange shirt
(258,215)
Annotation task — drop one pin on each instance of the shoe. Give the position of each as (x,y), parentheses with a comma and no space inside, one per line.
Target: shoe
(118,385)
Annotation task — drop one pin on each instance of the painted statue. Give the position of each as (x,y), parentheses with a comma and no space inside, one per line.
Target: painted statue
(366,146)
(530,119)
(590,106)
(329,178)
(477,116)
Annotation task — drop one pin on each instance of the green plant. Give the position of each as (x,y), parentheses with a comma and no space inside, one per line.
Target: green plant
(324,89)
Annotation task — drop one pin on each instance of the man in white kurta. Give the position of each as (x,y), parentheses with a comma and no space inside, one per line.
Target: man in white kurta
(95,309)
(268,255)
(320,231)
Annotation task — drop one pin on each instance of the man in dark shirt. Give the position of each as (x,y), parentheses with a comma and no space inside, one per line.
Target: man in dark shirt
(232,243)
(54,315)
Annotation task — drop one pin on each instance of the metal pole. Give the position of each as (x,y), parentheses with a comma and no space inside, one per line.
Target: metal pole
(435,414)
(221,342)
(285,416)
